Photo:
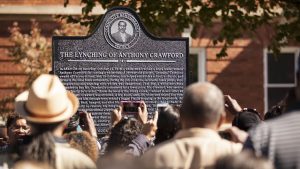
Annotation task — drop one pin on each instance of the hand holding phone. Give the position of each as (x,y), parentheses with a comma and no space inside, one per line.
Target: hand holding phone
(232,105)
(87,123)
(130,107)
(143,113)
(137,109)
(116,115)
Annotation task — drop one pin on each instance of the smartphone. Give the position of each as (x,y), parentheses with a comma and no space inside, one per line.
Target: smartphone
(82,118)
(161,106)
(131,107)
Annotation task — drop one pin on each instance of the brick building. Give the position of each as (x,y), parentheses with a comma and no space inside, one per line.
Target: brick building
(249,74)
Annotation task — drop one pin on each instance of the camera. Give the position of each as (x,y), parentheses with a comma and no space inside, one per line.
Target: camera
(131,107)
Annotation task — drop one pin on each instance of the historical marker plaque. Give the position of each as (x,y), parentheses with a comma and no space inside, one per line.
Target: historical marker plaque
(120,60)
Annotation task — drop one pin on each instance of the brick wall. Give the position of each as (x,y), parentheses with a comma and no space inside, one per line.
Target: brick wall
(11,74)
(241,73)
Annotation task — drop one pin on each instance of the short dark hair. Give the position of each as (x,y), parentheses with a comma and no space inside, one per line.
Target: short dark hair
(12,118)
(168,123)
(123,133)
(123,22)
(202,102)
(246,119)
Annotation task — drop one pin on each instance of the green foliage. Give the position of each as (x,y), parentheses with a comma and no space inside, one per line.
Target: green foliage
(237,17)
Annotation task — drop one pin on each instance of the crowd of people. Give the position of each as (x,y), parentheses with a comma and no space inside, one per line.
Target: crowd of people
(47,131)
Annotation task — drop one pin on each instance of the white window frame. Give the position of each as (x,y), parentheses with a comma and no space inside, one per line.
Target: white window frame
(294,50)
(201,53)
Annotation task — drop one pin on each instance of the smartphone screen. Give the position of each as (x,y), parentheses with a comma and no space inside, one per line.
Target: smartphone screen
(130,107)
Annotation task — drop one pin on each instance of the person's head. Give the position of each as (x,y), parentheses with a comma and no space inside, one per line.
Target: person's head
(244,160)
(84,142)
(46,102)
(47,106)
(246,119)
(202,106)
(168,123)
(122,26)
(122,134)
(17,127)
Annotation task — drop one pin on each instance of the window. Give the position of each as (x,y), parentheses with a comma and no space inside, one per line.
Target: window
(197,62)
(280,74)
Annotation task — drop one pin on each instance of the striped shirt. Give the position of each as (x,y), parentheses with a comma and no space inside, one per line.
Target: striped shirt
(278,140)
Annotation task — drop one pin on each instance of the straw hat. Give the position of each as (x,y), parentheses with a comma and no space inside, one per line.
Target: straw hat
(47,101)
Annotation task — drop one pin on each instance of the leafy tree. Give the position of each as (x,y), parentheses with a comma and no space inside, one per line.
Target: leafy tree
(33,52)
(237,16)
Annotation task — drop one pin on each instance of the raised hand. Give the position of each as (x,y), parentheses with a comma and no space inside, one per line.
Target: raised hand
(150,127)
(232,105)
(116,115)
(143,113)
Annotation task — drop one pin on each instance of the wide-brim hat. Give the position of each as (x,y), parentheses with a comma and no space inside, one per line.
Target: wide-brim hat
(47,101)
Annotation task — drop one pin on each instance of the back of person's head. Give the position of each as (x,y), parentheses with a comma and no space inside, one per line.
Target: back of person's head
(40,147)
(244,160)
(122,134)
(168,123)
(84,142)
(246,119)
(47,106)
(47,101)
(203,103)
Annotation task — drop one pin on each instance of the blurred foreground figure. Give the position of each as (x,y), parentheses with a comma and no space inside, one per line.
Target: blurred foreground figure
(198,144)
(47,106)
(245,160)
(278,140)
(31,165)
(83,142)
